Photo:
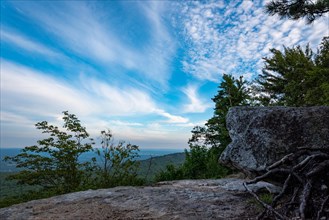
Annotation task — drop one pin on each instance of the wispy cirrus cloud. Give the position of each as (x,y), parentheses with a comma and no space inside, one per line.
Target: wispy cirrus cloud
(232,37)
(163,46)
(28,91)
(171,118)
(94,36)
(23,42)
(196,104)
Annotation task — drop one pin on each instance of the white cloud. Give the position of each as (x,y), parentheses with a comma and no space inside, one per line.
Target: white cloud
(27,44)
(171,118)
(12,118)
(233,39)
(162,48)
(33,91)
(94,36)
(27,90)
(196,104)
(29,96)
(125,123)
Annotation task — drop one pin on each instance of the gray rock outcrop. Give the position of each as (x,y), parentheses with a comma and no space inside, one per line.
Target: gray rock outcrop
(263,135)
(184,199)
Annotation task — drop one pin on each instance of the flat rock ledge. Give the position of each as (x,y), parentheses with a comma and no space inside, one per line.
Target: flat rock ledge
(184,199)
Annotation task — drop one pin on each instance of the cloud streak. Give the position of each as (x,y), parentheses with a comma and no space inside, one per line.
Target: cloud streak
(196,104)
(25,90)
(92,36)
(25,43)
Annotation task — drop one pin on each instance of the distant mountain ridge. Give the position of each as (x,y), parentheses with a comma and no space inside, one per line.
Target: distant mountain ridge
(148,169)
(153,165)
(143,153)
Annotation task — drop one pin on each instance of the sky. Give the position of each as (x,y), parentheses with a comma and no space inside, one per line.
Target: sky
(146,70)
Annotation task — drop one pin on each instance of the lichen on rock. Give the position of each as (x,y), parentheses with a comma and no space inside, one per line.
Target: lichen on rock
(263,135)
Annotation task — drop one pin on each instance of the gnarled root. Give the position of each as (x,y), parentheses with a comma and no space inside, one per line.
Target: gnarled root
(305,186)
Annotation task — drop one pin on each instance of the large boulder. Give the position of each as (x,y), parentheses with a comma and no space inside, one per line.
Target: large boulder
(263,135)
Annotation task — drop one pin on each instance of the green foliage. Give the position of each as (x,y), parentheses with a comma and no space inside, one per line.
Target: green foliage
(214,169)
(318,78)
(195,162)
(231,92)
(170,173)
(209,141)
(200,163)
(265,197)
(10,188)
(119,165)
(26,196)
(295,77)
(296,9)
(54,164)
(11,193)
(151,167)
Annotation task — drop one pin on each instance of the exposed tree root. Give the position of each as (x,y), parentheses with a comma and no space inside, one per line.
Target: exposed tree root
(305,186)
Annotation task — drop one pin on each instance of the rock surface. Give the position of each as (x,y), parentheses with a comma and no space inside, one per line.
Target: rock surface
(184,199)
(263,135)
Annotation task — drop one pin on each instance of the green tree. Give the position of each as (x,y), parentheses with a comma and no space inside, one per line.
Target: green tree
(170,173)
(295,77)
(118,162)
(195,165)
(207,142)
(296,9)
(54,163)
(317,92)
(232,92)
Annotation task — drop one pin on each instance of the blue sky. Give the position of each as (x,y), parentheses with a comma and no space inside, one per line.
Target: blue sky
(147,70)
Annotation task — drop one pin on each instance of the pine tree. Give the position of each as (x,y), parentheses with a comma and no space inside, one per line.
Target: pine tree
(295,77)
(232,92)
(209,141)
(296,9)
(318,78)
